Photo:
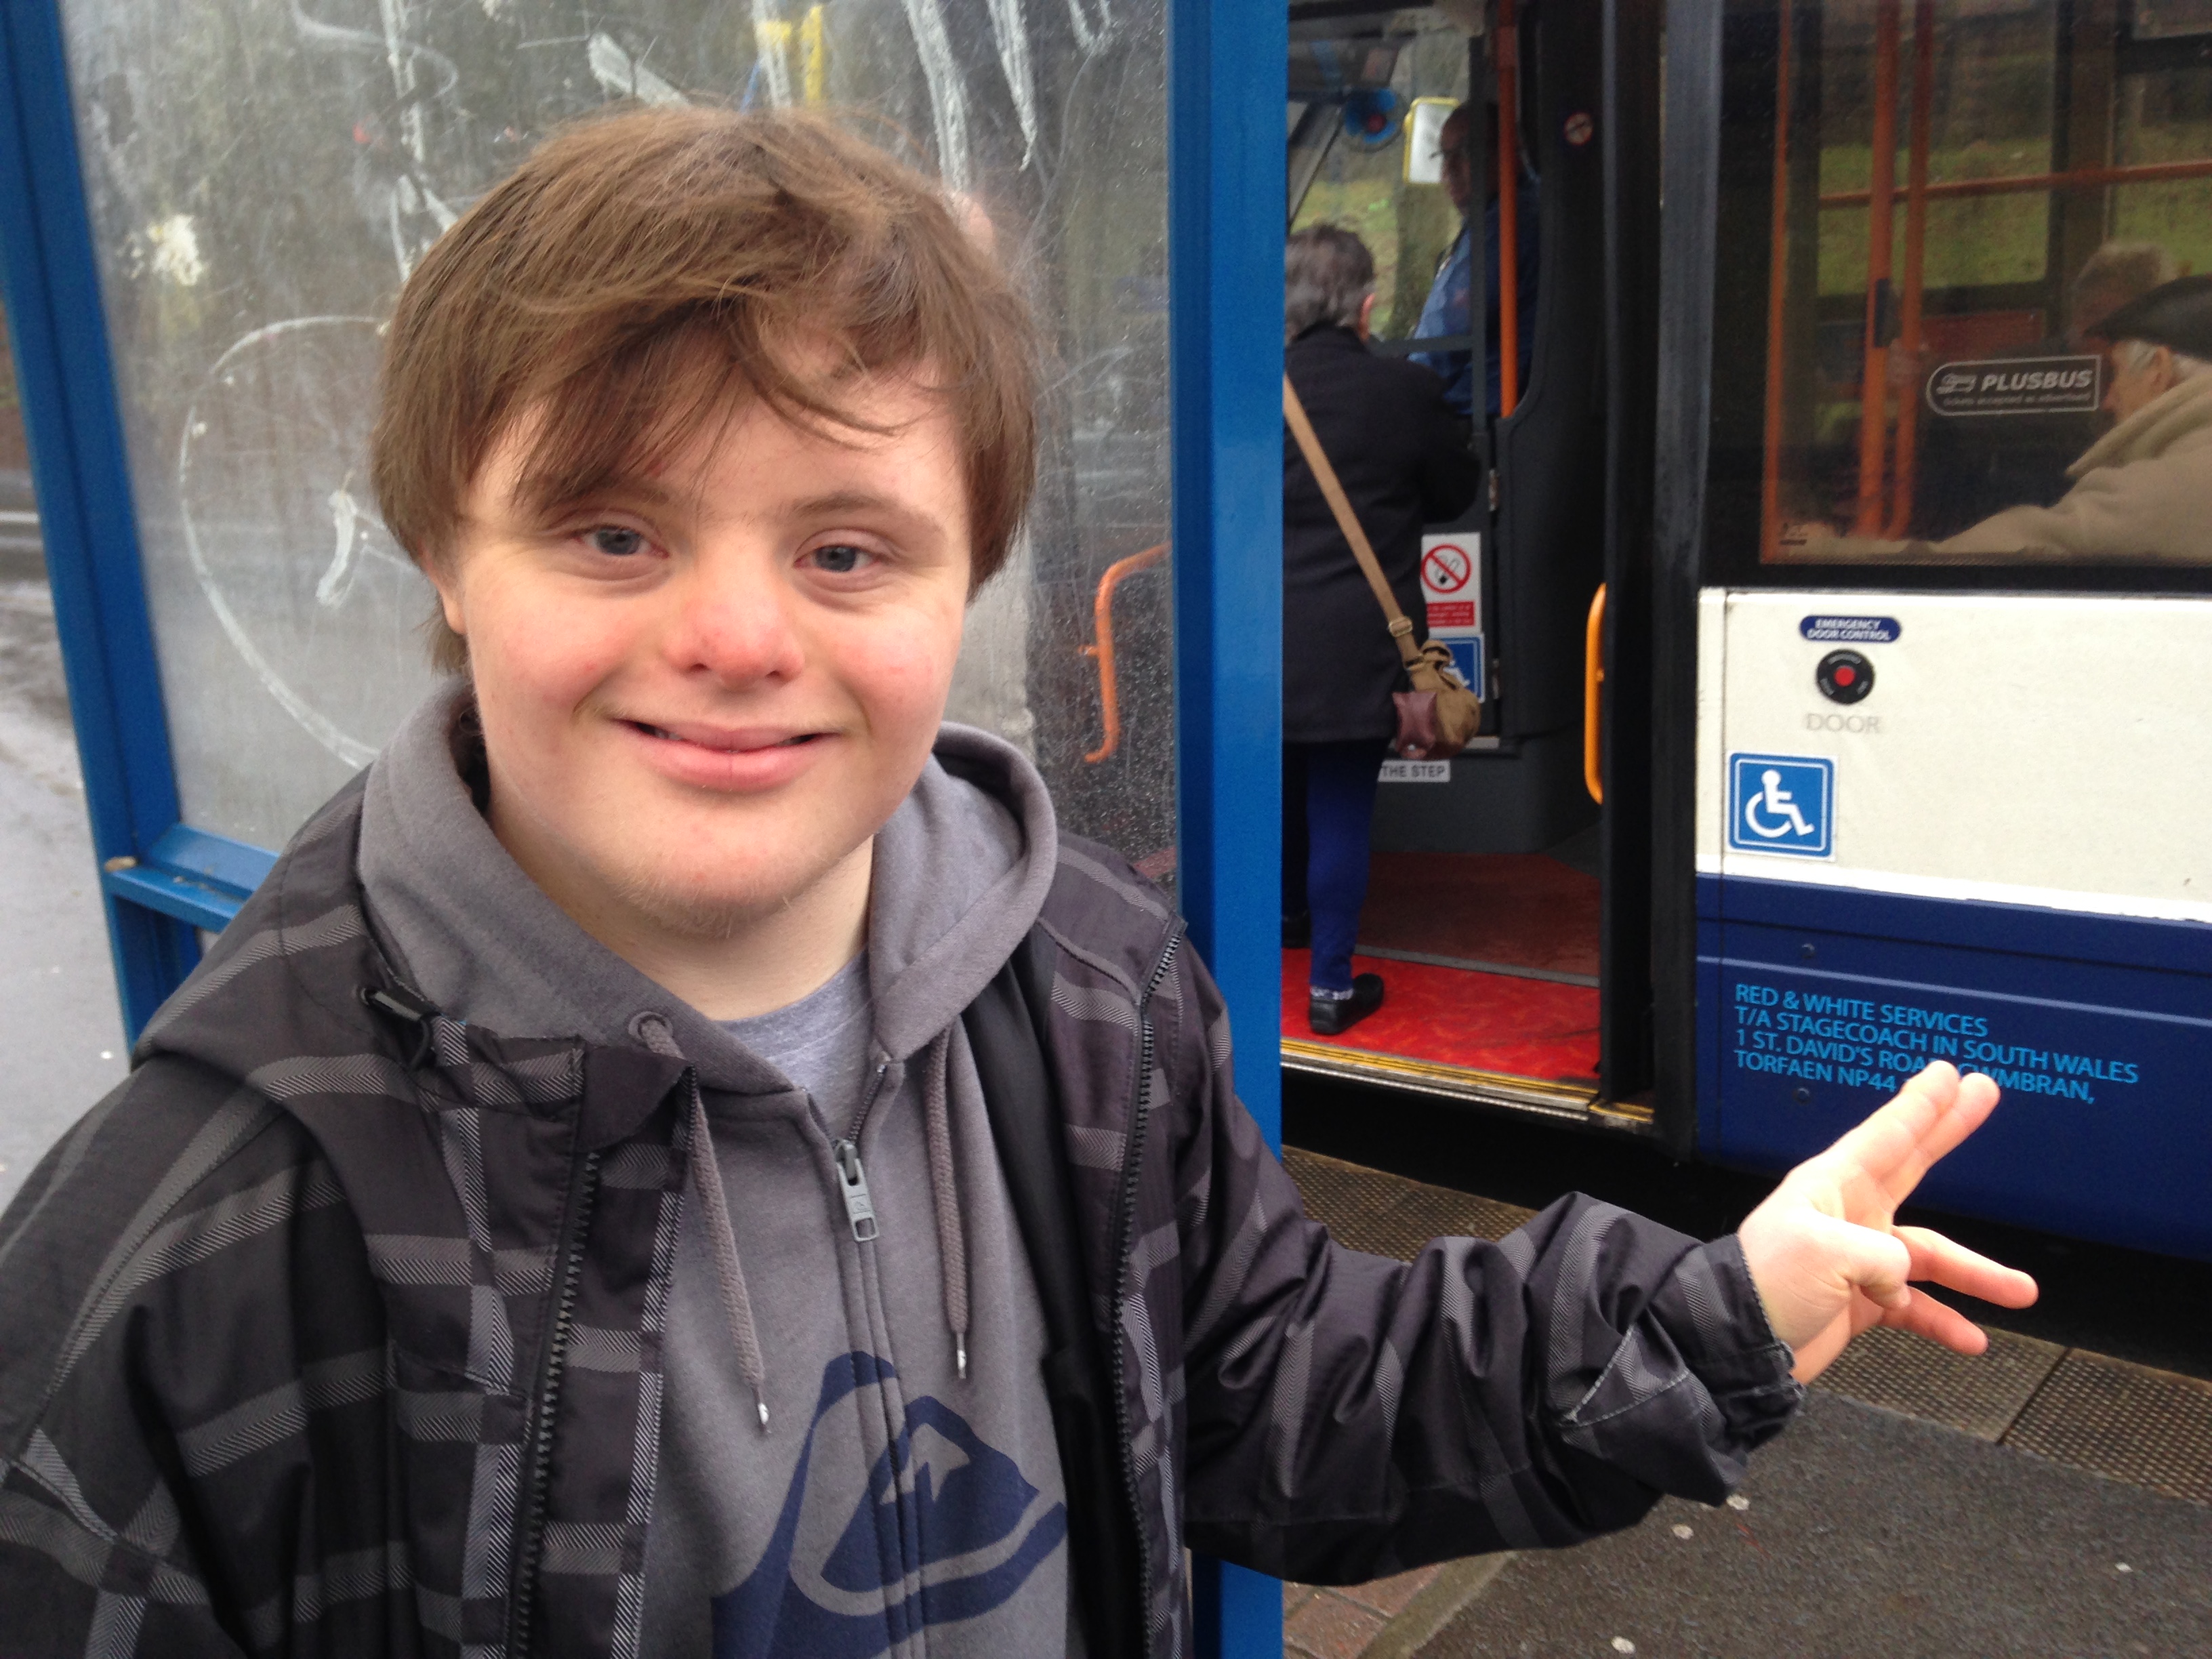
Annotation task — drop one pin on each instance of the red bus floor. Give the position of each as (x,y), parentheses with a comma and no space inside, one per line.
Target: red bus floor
(1504,974)
(1530,1028)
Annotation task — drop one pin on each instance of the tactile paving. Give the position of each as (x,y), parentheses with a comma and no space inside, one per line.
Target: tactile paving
(1387,1215)
(1981,1395)
(2125,1421)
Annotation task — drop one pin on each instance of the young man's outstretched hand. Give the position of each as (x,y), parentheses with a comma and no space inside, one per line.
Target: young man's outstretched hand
(1823,1251)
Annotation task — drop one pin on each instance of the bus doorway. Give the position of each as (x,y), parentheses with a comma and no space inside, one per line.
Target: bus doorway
(1509,901)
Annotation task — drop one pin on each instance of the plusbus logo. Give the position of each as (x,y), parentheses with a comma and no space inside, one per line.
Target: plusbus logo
(2016,385)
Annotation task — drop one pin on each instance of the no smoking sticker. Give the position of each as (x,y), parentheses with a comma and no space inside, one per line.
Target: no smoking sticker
(1446,567)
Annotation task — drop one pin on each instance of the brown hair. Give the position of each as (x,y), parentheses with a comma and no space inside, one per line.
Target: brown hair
(642,272)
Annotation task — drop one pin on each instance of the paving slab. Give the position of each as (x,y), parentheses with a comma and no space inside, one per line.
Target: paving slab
(1867,1533)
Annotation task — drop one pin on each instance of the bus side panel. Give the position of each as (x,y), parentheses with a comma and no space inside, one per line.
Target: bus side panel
(1711,1003)
(1828,999)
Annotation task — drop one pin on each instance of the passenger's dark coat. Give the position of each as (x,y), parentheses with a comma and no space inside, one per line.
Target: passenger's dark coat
(1403,458)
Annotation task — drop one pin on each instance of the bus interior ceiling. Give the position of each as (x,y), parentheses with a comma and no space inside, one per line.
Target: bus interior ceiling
(1484,909)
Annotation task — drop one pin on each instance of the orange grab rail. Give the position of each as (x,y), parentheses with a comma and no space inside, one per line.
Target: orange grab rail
(1906,473)
(1873,376)
(1508,50)
(1593,678)
(1109,694)
(1777,278)
(1953,190)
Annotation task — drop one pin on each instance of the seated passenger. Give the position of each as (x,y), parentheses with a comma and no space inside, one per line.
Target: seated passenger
(1971,466)
(683,1157)
(2143,491)
(1402,458)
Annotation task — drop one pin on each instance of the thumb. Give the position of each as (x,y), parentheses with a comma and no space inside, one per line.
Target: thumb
(1875,1263)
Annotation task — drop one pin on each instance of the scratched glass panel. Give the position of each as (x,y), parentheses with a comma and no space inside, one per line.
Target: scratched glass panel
(263,173)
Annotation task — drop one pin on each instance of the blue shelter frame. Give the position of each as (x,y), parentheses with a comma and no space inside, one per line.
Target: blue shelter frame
(162,879)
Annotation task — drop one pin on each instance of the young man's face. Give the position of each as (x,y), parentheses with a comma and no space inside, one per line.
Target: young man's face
(709,688)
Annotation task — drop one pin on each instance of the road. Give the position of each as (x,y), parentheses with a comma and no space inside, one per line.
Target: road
(60,1025)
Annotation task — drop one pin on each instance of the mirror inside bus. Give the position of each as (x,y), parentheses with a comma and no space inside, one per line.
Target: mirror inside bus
(1457,143)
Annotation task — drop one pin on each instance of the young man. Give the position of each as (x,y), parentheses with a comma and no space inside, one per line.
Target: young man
(683,1158)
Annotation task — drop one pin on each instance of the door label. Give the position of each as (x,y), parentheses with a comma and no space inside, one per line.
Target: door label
(1412,771)
(1849,630)
(1781,803)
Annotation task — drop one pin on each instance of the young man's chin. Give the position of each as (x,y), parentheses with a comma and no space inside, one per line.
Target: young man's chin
(714,905)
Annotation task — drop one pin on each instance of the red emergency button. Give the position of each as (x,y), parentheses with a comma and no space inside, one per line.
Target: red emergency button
(1843,676)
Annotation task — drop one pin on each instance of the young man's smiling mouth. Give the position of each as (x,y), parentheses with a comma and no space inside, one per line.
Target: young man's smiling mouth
(741,740)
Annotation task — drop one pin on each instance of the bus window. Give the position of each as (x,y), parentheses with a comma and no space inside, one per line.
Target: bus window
(1978,335)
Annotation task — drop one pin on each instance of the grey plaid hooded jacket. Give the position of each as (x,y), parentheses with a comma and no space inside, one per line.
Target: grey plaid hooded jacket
(289,1320)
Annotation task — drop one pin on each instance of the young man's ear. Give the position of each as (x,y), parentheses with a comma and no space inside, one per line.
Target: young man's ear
(440,574)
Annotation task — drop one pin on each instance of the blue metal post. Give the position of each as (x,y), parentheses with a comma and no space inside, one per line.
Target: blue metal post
(67,380)
(1226,67)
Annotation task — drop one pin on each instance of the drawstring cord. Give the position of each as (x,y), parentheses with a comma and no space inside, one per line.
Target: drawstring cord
(945,1193)
(707,1181)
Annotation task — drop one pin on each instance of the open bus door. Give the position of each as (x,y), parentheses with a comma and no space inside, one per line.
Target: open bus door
(1509,906)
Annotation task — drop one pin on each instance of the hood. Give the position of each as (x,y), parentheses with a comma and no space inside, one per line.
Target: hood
(960,871)
(2168,418)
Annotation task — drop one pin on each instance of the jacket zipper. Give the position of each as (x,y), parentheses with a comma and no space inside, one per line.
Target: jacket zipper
(1123,1250)
(852,1179)
(539,1468)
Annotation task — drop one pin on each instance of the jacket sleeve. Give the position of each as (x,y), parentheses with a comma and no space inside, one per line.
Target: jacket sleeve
(95,1556)
(170,1388)
(2159,507)
(1350,1416)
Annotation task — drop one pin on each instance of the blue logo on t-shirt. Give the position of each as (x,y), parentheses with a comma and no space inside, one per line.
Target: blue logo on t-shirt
(947,1529)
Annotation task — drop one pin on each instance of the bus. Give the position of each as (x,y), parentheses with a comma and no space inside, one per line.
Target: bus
(1839,716)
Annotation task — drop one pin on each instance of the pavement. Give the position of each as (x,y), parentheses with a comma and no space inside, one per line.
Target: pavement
(61,1028)
(1867,1533)
(2038,1500)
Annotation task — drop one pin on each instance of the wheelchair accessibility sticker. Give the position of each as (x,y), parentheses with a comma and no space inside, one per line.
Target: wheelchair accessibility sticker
(1781,803)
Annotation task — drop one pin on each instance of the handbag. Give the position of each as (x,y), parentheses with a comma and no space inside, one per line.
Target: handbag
(1442,712)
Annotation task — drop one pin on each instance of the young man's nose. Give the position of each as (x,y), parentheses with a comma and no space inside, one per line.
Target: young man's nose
(733,618)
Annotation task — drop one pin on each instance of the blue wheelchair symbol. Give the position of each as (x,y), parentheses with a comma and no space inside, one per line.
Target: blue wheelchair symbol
(1467,656)
(1781,803)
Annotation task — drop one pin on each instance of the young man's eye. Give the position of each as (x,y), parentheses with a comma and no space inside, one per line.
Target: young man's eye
(840,558)
(615,541)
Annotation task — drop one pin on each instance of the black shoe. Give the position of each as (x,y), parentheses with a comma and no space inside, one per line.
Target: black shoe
(1332,1016)
(1297,930)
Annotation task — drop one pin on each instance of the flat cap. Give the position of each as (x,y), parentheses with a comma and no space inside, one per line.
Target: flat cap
(2176,314)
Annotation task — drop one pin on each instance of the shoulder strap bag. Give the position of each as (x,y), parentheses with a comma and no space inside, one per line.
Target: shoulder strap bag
(1438,716)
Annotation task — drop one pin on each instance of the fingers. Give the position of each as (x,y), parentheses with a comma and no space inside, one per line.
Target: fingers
(1875,1263)
(1938,1321)
(1936,1258)
(1926,1118)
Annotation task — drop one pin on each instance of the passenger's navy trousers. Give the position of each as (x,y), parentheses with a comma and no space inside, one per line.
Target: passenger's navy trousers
(1328,813)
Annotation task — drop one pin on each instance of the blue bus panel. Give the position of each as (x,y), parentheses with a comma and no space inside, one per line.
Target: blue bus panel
(1815,1003)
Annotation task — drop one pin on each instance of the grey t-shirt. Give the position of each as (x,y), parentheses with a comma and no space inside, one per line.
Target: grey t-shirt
(820,1043)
